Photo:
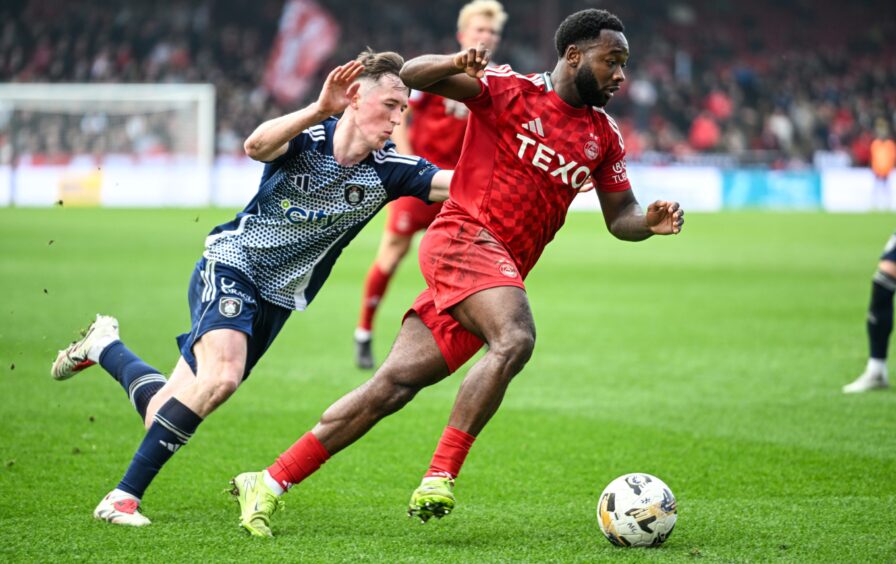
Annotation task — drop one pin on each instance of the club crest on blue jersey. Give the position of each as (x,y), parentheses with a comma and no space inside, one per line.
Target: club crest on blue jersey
(230,307)
(354,194)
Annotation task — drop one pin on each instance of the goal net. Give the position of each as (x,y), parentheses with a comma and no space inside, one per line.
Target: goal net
(106,144)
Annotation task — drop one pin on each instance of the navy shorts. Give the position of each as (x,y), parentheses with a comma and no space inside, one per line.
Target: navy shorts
(890,249)
(223,298)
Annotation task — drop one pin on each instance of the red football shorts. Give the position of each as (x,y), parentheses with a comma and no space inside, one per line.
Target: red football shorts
(459,258)
(409,215)
(456,343)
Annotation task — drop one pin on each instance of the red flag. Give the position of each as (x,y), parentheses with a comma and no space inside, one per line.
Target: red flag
(306,37)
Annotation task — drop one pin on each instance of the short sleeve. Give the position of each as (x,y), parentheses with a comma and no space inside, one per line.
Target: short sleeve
(404,175)
(498,85)
(313,137)
(305,140)
(482,101)
(611,174)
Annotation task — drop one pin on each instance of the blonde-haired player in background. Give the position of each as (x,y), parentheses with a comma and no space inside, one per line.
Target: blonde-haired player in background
(433,128)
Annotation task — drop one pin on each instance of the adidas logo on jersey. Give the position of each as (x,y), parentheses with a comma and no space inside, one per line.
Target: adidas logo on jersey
(543,157)
(534,126)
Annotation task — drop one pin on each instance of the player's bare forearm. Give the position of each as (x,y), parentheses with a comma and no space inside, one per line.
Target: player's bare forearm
(452,76)
(626,219)
(630,225)
(425,70)
(438,189)
(271,138)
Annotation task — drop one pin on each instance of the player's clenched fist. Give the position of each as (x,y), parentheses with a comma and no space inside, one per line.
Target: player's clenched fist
(473,61)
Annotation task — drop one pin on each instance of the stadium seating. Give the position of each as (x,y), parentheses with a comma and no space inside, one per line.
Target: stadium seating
(766,83)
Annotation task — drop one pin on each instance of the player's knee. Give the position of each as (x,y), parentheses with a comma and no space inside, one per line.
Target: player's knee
(394,395)
(887,267)
(389,264)
(223,390)
(221,386)
(514,347)
(400,252)
(402,394)
(391,256)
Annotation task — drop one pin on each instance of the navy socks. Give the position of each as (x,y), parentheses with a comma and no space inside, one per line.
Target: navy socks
(172,427)
(139,380)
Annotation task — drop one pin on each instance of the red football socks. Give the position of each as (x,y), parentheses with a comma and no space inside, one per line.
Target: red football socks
(450,454)
(374,288)
(299,461)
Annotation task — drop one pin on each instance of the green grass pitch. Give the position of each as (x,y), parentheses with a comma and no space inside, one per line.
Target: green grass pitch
(713,360)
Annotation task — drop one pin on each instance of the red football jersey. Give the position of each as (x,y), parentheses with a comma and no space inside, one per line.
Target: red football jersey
(526,154)
(437,128)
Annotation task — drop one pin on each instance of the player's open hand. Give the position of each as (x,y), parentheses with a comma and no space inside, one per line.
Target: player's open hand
(473,61)
(339,88)
(665,218)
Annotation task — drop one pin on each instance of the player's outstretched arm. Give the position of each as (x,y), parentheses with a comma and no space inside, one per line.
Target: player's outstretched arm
(441,181)
(452,76)
(271,138)
(626,220)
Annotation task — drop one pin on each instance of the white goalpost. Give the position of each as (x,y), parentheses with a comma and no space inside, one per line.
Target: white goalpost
(106,144)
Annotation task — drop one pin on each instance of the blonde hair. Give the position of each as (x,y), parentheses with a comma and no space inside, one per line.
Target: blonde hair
(488,8)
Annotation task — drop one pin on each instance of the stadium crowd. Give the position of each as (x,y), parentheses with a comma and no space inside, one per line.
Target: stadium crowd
(773,83)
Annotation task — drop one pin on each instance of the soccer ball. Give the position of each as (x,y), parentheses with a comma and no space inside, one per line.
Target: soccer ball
(637,510)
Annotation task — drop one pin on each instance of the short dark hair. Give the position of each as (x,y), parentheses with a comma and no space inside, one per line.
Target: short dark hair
(377,65)
(584,25)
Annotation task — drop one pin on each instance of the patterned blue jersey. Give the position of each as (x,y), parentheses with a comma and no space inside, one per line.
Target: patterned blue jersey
(307,209)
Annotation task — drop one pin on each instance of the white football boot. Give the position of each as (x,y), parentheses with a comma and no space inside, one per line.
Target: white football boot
(120,508)
(873,378)
(74,359)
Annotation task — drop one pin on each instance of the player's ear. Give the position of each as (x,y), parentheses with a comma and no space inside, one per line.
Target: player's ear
(573,56)
(354,94)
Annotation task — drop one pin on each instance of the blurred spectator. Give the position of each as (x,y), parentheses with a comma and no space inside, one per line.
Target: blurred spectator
(767,81)
(883,159)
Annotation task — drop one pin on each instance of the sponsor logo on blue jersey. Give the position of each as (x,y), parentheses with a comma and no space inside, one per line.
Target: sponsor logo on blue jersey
(295,214)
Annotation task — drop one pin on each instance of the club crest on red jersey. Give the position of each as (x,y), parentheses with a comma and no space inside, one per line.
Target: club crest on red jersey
(507,269)
(592,150)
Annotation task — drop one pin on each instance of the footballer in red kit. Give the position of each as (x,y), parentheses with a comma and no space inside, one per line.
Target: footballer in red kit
(527,155)
(532,142)
(433,128)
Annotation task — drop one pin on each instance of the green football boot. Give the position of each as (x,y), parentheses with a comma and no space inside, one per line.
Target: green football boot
(257,503)
(434,498)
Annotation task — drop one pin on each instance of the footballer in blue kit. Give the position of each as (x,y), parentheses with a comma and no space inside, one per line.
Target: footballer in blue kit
(324,179)
(878,324)
(275,255)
